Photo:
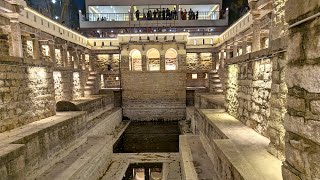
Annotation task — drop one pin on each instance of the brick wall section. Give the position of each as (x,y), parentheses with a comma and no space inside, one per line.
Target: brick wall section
(68,85)
(199,61)
(154,95)
(25,93)
(302,142)
(254,86)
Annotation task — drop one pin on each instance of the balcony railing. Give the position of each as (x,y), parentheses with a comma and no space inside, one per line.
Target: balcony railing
(215,15)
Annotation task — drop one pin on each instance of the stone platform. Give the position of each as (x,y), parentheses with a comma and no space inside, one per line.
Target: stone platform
(236,151)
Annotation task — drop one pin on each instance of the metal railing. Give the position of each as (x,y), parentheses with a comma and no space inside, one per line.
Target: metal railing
(212,15)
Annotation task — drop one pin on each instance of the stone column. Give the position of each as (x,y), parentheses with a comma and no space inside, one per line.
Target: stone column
(244,46)
(162,63)
(15,39)
(64,55)
(144,63)
(51,45)
(256,39)
(36,47)
(235,49)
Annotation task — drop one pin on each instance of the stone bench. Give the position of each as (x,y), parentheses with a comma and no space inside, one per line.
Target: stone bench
(89,104)
(45,141)
(91,160)
(237,151)
(209,101)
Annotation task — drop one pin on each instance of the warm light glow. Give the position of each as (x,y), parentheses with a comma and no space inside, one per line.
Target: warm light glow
(171,62)
(153,56)
(194,76)
(135,60)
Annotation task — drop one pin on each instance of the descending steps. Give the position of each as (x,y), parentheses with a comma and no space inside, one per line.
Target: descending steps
(215,85)
(92,84)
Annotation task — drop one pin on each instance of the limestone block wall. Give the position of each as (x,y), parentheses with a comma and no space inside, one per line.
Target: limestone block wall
(111,76)
(302,141)
(201,79)
(232,87)
(68,85)
(103,60)
(199,61)
(154,95)
(25,92)
(248,93)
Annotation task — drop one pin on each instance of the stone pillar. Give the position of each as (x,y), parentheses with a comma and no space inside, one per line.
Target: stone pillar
(15,39)
(235,49)
(244,46)
(36,47)
(256,39)
(64,54)
(162,63)
(144,63)
(51,45)
(182,60)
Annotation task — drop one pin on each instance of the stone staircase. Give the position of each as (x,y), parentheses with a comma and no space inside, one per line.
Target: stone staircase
(215,85)
(92,84)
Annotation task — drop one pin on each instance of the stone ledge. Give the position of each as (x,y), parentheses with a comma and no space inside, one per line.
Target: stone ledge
(217,127)
(65,128)
(209,101)
(187,166)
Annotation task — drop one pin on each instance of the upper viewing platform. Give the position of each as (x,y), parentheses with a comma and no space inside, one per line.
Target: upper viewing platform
(155,16)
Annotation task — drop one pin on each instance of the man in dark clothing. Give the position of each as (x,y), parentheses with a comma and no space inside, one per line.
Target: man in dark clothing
(138,15)
(168,12)
(159,14)
(163,14)
(155,14)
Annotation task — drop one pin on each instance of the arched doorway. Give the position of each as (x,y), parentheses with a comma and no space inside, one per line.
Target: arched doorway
(135,60)
(171,60)
(153,56)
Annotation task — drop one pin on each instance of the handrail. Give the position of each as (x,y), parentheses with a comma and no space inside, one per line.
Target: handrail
(205,15)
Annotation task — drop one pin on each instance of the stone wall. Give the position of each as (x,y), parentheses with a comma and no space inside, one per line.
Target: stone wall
(200,81)
(199,61)
(103,60)
(112,80)
(154,95)
(232,87)
(250,92)
(67,85)
(25,93)
(302,141)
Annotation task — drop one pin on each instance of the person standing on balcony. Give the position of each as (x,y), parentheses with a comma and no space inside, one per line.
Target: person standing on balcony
(159,14)
(174,14)
(138,15)
(163,14)
(168,12)
(185,14)
(197,15)
(181,14)
(155,14)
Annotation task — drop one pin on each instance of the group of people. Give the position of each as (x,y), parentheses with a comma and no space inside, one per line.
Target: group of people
(166,14)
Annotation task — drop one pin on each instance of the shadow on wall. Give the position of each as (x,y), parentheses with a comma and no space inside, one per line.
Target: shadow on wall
(63,106)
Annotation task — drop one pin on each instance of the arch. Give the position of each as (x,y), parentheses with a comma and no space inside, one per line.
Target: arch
(153,59)
(135,60)
(171,60)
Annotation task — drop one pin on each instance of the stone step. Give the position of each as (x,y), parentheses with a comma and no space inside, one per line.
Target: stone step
(239,148)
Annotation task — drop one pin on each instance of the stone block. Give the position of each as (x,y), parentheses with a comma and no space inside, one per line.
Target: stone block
(315,107)
(307,129)
(306,77)
(296,8)
(298,104)
(289,175)
(294,157)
